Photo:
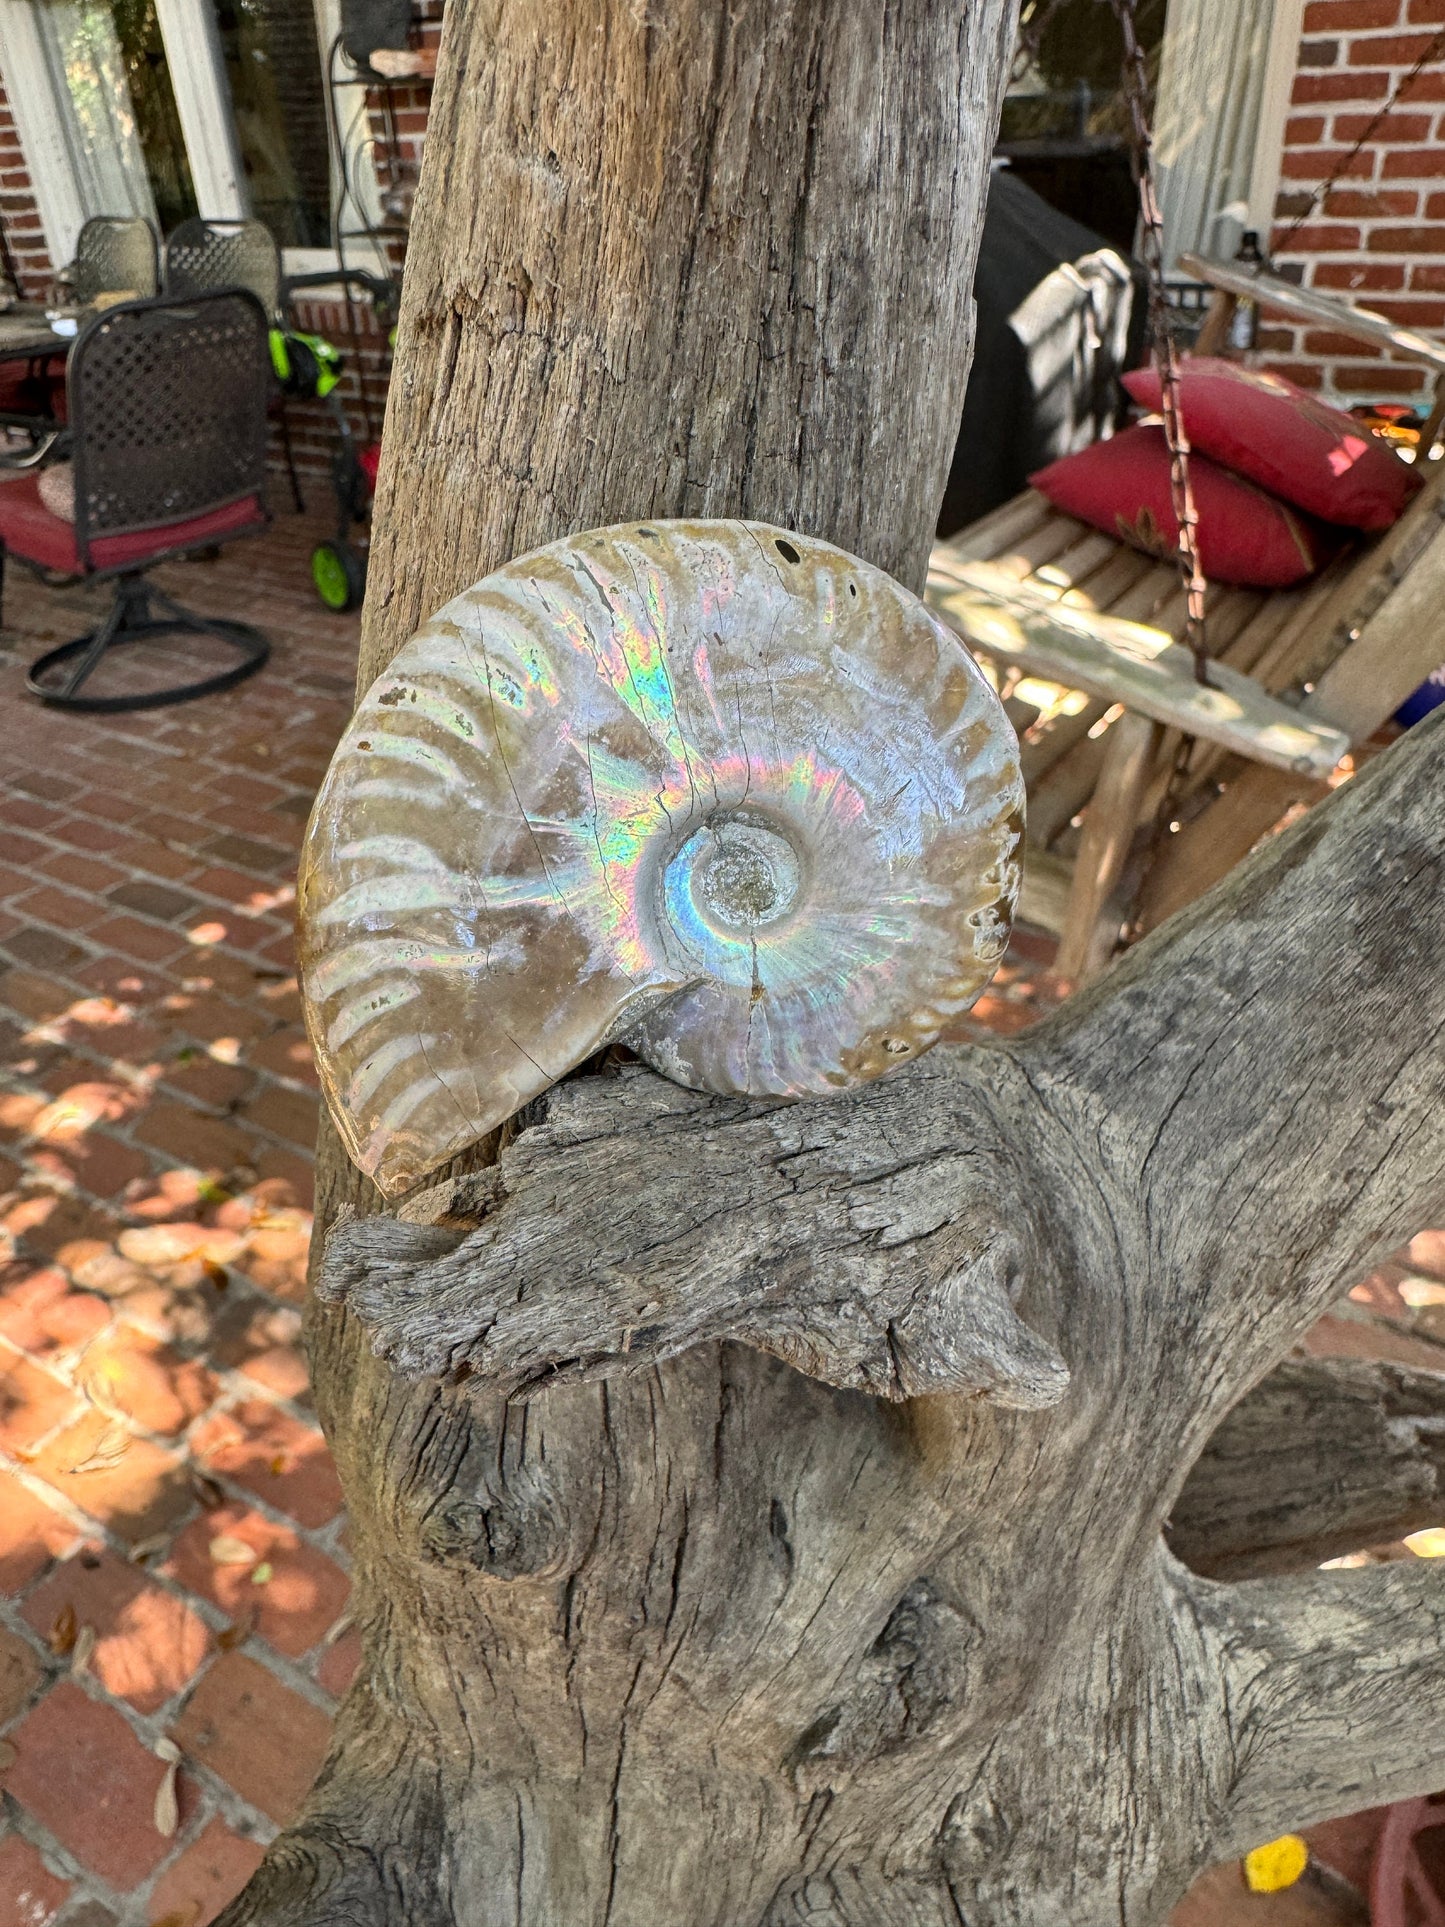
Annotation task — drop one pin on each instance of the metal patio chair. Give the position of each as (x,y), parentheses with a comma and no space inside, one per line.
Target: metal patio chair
(114,254)
(207,253)
(167,436)
(204,254)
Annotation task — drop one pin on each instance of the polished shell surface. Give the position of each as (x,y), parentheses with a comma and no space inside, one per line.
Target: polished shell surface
(714,787)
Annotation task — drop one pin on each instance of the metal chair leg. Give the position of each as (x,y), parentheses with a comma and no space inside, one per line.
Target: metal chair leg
(97,644)
(138,613)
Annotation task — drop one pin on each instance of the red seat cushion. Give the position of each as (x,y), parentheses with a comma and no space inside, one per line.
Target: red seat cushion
(28,529)
(1245,535)
(1290,442)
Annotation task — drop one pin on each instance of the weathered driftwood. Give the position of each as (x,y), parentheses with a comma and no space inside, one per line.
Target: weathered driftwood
(1323,1457)
(711,1641)
(925,1660)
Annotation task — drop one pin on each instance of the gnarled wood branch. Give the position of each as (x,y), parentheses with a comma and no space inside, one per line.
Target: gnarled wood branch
(1335,1684)
(1009,1677)
(878,1245)
(1325,1456)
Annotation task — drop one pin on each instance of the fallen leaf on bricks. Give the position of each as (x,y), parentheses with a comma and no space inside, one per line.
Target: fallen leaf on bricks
(63,1629)
(227,1550)
(207,1491)
(167,1807)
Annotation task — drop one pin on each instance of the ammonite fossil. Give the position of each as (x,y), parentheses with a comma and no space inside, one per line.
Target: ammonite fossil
(717,789)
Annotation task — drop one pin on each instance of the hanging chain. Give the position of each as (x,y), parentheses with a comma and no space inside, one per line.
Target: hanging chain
(1166,358)
(1033,25)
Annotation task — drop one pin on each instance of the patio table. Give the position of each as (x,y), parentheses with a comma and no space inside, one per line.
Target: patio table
(26,334)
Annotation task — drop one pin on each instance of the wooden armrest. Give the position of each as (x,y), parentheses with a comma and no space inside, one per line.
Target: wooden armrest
(1322,310)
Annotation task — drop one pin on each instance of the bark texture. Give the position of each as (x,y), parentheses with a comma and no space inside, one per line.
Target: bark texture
(758,1509)
(1323,1457)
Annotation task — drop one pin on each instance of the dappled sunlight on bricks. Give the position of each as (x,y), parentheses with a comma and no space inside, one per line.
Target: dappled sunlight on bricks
(149,1642)
(169,1515)
(297,1600)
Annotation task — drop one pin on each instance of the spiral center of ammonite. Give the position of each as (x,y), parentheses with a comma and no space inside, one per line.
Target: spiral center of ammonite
(743,875)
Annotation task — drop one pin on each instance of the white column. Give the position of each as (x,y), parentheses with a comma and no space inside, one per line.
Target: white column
(1279,72)
(39,123)
(203,101)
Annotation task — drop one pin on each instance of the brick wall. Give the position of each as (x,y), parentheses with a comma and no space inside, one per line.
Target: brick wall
(1378,236)
(18,211)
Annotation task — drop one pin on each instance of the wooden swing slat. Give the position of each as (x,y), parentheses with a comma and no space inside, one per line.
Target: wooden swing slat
(1124,570)
(1397,648)
(1010,522)
(1060,795)
(1049,740)
(1127,662)
(1042,545)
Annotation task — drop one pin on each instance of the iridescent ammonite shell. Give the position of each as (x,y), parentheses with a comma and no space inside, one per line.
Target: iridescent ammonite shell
(711,787)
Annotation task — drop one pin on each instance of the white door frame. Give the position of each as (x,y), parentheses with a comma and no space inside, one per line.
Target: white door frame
(42,134)
(203,101)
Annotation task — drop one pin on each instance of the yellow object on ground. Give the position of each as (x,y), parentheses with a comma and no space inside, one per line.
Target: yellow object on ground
(1276,1865)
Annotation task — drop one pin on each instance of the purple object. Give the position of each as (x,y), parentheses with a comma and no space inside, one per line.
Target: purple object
(1428,696)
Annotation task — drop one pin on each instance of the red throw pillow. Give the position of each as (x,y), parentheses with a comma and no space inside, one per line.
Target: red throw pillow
(1287,440)
(1245,535)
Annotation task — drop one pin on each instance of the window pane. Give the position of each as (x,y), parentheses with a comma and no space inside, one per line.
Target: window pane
(116,108)
(273,64)
(157,122)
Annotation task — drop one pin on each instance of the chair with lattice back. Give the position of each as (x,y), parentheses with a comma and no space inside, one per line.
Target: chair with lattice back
(167,411)
(206,253)
(114,254)
(203,254)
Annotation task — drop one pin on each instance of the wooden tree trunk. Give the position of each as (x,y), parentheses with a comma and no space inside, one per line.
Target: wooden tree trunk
(833,1588)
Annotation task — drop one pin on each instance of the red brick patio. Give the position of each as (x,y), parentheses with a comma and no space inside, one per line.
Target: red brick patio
(171,1538)
(173,1569)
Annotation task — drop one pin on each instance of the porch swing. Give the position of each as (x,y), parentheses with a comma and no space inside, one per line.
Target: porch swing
(1200,714)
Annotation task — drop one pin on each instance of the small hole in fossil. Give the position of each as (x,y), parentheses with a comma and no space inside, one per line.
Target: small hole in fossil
(853,588)
(648,532)
(363,745)
(787,551)
(895,1046)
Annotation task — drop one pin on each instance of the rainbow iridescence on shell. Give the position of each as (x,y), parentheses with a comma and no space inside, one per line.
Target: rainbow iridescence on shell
(720,790)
